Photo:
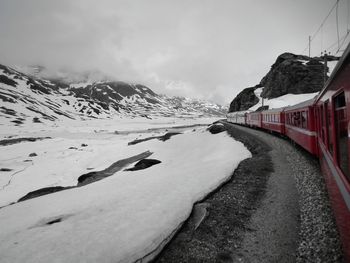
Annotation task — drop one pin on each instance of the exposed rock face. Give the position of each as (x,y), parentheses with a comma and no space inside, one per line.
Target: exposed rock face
(143,164)
(42,191)
(244,100)
(290,74)
(216,128)
(293,74)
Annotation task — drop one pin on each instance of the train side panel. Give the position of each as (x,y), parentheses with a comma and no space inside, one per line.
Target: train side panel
(300,126)
(254,119)
(237,117)
(333,128)
(338,189)
(273,120)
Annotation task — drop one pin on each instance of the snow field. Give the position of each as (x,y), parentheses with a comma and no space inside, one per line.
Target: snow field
(126,216)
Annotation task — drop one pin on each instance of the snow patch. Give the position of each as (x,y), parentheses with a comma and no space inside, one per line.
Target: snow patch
(125,216)
(282,101)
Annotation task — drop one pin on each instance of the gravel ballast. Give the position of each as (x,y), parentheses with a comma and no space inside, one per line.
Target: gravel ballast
(275,208)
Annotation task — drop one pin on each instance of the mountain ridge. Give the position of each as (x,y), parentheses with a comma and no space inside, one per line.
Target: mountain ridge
(26,98)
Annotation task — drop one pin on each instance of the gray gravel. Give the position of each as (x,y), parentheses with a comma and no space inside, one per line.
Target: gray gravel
(318,239)
(275,208)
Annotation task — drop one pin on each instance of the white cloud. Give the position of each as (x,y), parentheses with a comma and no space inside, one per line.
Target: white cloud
(205,48)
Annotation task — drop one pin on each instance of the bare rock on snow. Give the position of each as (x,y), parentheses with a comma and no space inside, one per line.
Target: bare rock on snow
(216,128)
(143,164)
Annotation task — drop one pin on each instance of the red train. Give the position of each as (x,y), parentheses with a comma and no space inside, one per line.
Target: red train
(320,126)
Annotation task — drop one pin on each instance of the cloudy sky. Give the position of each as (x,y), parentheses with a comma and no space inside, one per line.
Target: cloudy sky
(208,49)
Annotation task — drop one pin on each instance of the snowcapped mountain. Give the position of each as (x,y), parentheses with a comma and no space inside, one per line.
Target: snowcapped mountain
(26,98)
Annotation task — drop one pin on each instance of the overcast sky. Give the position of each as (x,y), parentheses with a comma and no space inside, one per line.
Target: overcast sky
(209,49)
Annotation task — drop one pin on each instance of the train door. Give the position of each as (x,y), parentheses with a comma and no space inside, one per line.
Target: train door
(341,127)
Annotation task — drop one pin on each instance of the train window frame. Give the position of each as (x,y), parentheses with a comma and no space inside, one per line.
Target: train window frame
(341,156)
(329,128)
(304,119)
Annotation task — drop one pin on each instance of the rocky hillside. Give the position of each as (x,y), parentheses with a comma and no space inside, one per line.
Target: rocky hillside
(290,74)
(25,98)
(244,100)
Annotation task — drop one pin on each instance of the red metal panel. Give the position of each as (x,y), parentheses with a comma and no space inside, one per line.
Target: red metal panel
(273,126)
(336,185)
(305,138)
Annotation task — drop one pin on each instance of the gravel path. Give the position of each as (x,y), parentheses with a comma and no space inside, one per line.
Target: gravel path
(263,214)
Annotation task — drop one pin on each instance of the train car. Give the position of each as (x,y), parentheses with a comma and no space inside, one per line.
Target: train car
(254,119)
(300,125)
(332,107)
(237,117)
(273,120)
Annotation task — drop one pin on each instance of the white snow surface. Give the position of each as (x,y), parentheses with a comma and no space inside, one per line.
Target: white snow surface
(122,218)
(282,101)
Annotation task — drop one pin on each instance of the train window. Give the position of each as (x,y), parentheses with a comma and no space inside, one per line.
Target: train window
(303,120)
(329,127)
(297,119)
(341,126)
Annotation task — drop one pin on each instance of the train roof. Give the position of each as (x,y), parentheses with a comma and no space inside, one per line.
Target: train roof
(335,71)
(274,110)
(303,104)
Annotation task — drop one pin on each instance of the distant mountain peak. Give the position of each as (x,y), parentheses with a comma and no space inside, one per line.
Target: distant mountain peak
(29,99)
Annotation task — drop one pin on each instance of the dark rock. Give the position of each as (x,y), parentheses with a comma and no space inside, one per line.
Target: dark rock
(36,120)
(43,191)
(293,74)
(18,140)
(290,74)
(168,135)
(5,170)
(89,177)
(216,128)
(163,138)
(92,177)
(143,164)
(7,81)
(244,100)
(32,155)
(84,145)
(73,148)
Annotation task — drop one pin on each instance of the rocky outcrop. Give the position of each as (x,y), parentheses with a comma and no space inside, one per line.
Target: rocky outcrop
(293,74)
(290,74)
(244,100)
(216,128)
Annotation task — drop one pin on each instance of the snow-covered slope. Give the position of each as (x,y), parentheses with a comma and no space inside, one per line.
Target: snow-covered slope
(29,100)
(126,217)
(282,101)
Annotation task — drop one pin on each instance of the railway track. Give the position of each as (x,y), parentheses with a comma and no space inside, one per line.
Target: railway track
(275,208)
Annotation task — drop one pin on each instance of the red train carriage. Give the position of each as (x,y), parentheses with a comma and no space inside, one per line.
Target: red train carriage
(273,120)
(237,117)
(300,125)
(254,119)
(332,117)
